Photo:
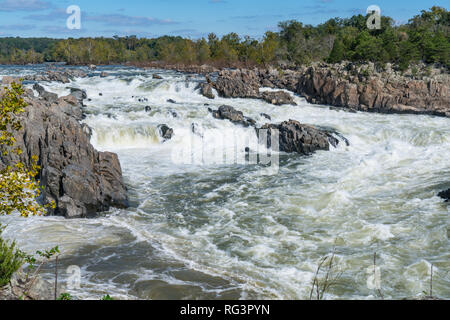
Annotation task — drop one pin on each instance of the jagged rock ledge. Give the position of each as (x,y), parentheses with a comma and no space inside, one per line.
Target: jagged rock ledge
(348,85)
(57,75)
(81,180)
(294,137)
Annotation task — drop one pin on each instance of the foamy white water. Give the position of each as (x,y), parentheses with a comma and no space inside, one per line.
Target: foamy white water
(227,231)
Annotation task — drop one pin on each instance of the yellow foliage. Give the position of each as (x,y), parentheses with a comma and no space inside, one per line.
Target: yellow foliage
(18,186)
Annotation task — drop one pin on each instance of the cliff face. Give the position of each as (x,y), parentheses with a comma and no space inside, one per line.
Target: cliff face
(81,180)
(349,86)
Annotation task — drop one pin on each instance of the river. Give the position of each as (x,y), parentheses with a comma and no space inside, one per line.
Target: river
(227,231)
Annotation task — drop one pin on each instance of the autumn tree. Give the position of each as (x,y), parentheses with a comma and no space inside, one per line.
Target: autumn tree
(18,186)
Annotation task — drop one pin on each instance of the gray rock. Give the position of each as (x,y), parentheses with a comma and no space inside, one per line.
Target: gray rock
(278,98)
(445,195)
(23,288)
(57,75)
(81,180)
(79,94)
(157,77)
(266,116)
(104,74)
(165,132)
(235,116)
(50,97)
(206,90)
(237,84)
(299,138)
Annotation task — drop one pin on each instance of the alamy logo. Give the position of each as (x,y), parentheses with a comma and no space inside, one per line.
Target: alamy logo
(74,20)
(230,149)
(374,20)
(74,279)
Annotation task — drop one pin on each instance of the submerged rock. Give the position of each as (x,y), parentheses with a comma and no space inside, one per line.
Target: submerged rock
(299,138)
(171,101)
(104,74)
(157,77)
(197,130)
(206,90)
(278,98)
(445,195)
(235,116)
(165,132)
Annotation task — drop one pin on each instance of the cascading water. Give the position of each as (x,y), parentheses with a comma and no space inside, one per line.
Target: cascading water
(226,230)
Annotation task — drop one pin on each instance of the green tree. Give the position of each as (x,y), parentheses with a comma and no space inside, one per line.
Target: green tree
(338,52)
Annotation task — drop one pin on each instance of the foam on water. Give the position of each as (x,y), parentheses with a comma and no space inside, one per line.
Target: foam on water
(224,230)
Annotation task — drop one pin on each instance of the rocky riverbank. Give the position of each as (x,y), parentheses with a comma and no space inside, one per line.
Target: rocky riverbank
(81,180)
(420,90)
(22,287)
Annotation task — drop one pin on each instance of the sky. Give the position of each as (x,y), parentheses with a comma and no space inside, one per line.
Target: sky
(187,18)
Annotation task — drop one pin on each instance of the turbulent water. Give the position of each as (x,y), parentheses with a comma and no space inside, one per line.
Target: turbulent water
(226,231)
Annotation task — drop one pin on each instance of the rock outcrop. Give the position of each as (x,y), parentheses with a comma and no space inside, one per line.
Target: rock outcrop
(57,75)
(347,85)
(445,195)
(237,84)
(23,288)
(355,88)
(235,116)
(81,180)
(299,138)
(278,98)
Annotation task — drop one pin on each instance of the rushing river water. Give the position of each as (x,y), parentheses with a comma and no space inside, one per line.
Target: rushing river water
(224,231)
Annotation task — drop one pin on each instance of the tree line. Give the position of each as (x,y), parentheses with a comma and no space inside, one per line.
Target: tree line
(425,37)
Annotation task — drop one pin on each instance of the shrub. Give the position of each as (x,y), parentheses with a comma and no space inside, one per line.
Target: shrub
(10,259)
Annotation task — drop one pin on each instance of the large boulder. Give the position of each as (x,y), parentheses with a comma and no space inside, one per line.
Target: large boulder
(299,138)
(278,98)
(237,84)
(235,116)
(79,179)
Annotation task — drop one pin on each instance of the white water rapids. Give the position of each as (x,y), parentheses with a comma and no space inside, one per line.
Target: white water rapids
(229,232)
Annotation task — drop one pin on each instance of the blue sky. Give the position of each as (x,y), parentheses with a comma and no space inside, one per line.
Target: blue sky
(193,19)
